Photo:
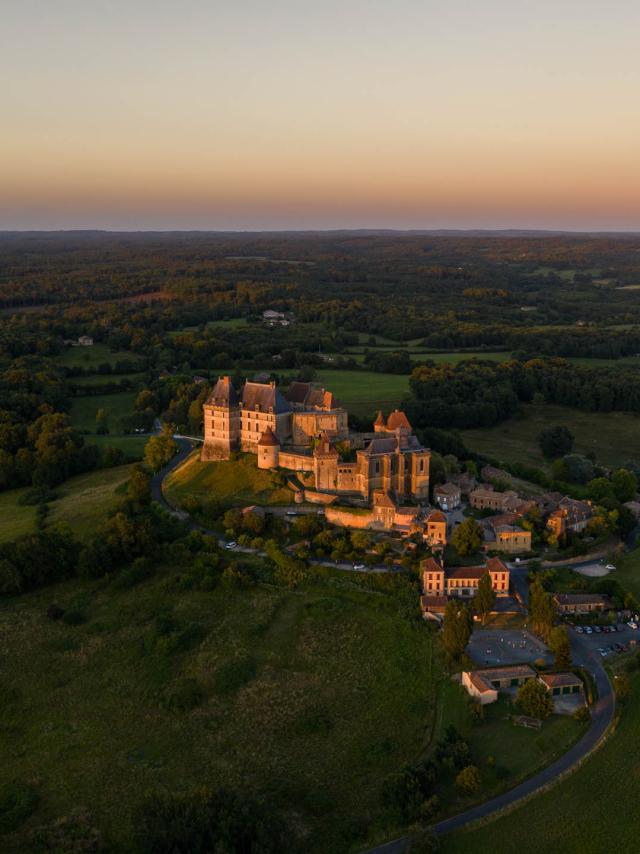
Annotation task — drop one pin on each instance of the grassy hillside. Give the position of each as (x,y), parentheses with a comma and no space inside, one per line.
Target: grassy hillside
(364,392)
(310,697)
(83,409)
(613,436)
(83,502)
(574,816)
(91,357)
(233,481)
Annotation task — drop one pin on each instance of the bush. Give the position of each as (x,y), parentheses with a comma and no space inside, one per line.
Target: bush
(72,834)
(73,618)
(17,802)
(468,780)
(184,696)
(534,699)
(208,821)
(235,675)
(582,714)
(140,569)
(55,612)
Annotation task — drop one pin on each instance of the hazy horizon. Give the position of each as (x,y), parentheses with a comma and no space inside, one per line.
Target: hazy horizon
(333,116)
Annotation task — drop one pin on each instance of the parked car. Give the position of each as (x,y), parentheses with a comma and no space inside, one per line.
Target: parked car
(359,566)
(231,545)
(619,647)
(632,624)
(597,629)
(588,630)
(613,628)
(291,513)
(579,629)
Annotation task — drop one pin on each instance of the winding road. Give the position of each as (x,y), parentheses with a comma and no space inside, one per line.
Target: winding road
(602,711)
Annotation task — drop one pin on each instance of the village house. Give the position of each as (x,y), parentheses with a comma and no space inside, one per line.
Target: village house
(484,685)
(561,684)
(485,497)
(581,603)
(462,581)
(465,481)
(447,496)
(435,529)
(511,539)
(571,516)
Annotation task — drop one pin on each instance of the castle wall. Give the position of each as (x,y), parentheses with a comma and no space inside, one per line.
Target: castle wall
(348,479)
(326,472)
(345,519)
(295,462)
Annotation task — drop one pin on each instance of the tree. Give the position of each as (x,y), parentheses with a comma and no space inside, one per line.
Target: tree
(534,699)
(159,450)
(541,610)
(600,488)
(205,821)
(467,537)
(457,628)
(468,780)
(139,486)
(560,646)
(485,597)
(556,441)
(102,427)
(625,485)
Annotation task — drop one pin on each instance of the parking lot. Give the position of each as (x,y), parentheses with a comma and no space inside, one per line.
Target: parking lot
(505,646)
(595,641)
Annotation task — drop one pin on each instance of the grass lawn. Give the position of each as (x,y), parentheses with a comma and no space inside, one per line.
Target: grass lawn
(613,436)
(311,698)
(131,445)
(15,519)
(628,572)
(364,392)
(105,379)
(83,409)
(233,481)
(84,501)
(90,357)
(575,815)
(503,753)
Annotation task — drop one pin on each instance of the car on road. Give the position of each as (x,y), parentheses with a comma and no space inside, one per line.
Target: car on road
(597,629)
(291,513)
(359,566)
(610,567)
(231,545)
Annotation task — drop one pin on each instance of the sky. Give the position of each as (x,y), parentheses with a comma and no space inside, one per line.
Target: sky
(281,114)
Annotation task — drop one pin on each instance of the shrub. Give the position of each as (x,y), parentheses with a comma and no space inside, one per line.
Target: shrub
(235,675)
(184,696)
(72,834)
(468,780)
(55,612)
(73,618)
(17,802)
(582,714)
(207,821)
(534,699)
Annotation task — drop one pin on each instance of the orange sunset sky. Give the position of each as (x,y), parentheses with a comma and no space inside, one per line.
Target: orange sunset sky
(256,115)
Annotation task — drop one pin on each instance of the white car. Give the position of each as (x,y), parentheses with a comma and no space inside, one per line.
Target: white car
(610,567)
(231,545)
(579,629)
(359,566)
(588,630)
(291,513)
(632,624)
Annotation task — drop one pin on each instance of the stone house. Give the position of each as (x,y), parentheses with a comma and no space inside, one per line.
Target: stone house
(462,581)
(435,529)
(447,496)
(571,516)
(581,603)
(513,540)
(484,685)
(487,498)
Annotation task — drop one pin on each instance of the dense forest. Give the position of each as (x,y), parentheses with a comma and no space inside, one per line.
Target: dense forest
(170,311)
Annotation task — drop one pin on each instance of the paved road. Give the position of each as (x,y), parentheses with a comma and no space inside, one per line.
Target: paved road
(601,717)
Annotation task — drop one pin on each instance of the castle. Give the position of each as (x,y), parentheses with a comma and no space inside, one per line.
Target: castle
(300,431)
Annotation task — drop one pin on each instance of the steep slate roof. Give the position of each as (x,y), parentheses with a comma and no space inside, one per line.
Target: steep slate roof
(397,419)
(223,394)
(268,439)
(297,392)
(265,396)
(431,565)
(381,446)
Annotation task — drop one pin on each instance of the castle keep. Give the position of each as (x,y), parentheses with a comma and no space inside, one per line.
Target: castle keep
(300,431)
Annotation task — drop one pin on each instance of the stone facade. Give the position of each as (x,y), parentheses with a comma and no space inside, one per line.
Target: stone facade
(463,581)
(300,430)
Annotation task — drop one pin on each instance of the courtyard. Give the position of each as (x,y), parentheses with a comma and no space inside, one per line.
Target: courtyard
(491,647)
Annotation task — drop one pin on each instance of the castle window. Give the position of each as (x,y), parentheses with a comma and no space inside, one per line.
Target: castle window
(421,465)
(377,466)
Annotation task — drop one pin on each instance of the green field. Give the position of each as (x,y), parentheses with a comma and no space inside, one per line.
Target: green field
(229,481)
(83,503)
(105,379)
(83,409)
(574,816)
(91,357)
(613,436)
(310,698)
(364,392)
(15,519)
